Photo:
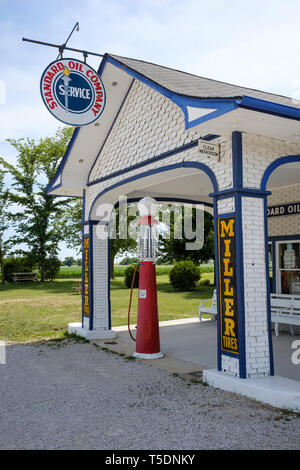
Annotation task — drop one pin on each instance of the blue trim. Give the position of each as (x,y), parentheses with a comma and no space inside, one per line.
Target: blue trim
(91,278)
(110,129)
(247,192)
(222,105)
(237,160)
(276,163)
(268,289)
(226,214)
(237,177)
(284,237)
(240,286)
(269,107)
(198,165)
(82,270)
(62,164)
(108,283)
(216,246)
(169,153)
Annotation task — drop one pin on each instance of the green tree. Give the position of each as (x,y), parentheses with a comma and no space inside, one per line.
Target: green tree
(37,163)
(5,243)
(171,249)
(69,261)
(119,245)
(69,225)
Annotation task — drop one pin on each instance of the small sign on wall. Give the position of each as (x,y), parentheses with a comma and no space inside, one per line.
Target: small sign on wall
(227,282)
(85,271)
(209,150)
(284,209)
(142,294)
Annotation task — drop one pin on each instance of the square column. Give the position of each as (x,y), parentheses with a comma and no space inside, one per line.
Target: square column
(241,252)
(96,322)
(244,327)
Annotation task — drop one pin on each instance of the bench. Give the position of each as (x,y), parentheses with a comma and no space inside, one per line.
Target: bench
(285,309)
(77,288)
(24,277)
(212,310)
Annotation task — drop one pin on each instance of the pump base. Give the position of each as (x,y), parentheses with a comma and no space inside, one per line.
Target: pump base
(148,356)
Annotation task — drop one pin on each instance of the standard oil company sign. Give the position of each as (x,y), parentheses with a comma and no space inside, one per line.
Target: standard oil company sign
(73,92)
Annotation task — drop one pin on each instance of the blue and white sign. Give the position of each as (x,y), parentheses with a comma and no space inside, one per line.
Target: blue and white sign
(73,92)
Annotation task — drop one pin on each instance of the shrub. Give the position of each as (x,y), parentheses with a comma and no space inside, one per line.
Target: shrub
(52,267)
(16,265)
(184,275)
(128,274)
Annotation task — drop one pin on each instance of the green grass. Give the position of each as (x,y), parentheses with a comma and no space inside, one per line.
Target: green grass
(41,311)
(70,272)
(171,304)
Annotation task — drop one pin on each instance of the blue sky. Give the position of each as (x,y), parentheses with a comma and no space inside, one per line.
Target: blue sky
(250,43)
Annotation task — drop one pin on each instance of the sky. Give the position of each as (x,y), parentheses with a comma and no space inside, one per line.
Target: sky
(247,43)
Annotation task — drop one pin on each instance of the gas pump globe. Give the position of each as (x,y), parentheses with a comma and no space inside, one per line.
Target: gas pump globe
(147,238)
(147,336)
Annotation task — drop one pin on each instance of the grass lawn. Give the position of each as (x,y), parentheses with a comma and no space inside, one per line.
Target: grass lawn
(41,311)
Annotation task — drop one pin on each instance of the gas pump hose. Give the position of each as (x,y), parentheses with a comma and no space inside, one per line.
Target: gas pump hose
(130,299)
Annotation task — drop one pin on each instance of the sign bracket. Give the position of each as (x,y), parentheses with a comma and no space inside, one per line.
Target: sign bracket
(63,47)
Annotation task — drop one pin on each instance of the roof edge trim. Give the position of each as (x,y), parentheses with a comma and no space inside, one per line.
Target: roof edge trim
(269,107)
(58,174)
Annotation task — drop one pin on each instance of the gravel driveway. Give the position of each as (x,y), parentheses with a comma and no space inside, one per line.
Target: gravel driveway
(76,396)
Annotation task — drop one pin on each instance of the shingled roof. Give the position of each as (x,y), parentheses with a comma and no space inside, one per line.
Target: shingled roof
(190,85)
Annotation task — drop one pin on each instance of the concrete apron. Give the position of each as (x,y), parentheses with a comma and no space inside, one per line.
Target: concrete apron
(189,349)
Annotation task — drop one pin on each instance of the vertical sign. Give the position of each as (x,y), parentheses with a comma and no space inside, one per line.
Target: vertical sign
(227,282)
(85,268)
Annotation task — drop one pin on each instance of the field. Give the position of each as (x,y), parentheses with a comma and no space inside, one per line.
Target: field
(41,311)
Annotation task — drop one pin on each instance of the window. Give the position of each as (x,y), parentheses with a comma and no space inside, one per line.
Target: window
(288,271)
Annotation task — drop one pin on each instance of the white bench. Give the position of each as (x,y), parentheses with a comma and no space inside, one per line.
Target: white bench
(285,309)
(213,310)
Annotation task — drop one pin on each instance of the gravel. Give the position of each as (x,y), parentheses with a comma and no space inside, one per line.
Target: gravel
(72,395)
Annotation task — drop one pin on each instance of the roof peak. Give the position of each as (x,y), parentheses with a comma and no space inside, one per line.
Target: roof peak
(196,86)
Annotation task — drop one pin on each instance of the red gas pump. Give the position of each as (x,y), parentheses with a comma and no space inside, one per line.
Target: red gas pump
(147,337)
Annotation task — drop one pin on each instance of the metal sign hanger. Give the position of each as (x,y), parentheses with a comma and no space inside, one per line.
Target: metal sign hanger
(64,47)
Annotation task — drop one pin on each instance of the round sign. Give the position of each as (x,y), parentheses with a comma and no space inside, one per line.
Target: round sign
(73,92)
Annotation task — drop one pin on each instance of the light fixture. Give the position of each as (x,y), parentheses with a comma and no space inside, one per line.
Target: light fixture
(114,83)
(80,160)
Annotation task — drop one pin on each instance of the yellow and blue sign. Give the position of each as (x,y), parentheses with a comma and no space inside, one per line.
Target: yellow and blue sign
(227,282)
(73,92)
(85,276)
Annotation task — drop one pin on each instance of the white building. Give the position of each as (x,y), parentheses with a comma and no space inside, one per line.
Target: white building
(145,143)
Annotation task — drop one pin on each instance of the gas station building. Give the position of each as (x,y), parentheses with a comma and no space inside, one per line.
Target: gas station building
(151,140)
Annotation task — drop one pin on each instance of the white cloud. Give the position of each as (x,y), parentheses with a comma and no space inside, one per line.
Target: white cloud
(254,44)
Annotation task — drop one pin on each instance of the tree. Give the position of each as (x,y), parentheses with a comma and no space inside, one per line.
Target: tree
(119,245)
(128,260)
(69,261)
(171,249)
(5,243)
(36,165)
(69,225)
